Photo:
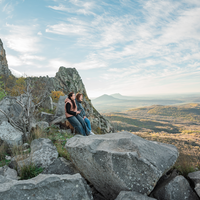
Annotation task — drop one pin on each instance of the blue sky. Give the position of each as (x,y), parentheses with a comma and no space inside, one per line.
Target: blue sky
(119,46)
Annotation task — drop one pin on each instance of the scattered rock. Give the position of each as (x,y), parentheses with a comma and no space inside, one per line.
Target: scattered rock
(130,195)
(47,117)
(177,189)
(8,173)
(61,166)
(195,177)
(47,103)
(42,124)
(43,153)
(8,157)
(61,121)
(10,135)
(25,146)
(65,187)
(121,161)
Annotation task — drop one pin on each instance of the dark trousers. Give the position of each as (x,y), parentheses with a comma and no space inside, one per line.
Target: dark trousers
(78,123)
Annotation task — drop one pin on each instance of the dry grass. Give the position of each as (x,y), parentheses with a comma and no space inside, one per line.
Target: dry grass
(188,147)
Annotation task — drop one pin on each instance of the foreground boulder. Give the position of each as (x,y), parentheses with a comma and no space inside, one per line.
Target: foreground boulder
(10,135)
(176,189)
(130,195)
(60,166)
(121,161)
(43,153)
(195,177)
(49,187)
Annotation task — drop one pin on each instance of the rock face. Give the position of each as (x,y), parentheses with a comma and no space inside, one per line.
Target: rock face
(195,177)
(60,187)
(60,166)
(3,62)
(67,80)
(128,195)
(121,162)
(177,189)
(43,153)
(10,135)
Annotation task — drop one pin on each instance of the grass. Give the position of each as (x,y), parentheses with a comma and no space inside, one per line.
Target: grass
(29,171)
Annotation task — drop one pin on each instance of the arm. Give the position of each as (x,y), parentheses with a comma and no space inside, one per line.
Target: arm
(68,107)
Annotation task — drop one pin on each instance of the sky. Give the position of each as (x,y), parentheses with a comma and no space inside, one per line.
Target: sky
(132,47)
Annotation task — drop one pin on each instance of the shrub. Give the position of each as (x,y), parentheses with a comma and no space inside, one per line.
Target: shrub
(55,95)
(2,91)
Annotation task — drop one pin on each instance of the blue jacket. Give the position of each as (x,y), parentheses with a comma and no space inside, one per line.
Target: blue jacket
(79,107)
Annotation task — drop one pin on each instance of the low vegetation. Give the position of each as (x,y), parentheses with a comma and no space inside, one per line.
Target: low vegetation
(176,125)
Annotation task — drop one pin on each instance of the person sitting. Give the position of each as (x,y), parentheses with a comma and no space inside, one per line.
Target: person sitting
(73,116)
(79,99)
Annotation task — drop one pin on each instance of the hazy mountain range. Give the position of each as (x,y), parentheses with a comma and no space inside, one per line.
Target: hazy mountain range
(117,102)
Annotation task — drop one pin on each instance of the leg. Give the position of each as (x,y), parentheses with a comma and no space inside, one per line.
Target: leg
(77,125)
(80,119)
(87,121)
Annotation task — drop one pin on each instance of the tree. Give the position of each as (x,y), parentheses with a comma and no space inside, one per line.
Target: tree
(29,102)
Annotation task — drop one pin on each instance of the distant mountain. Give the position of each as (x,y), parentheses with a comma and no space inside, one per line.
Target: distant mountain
(119,96)
(105,98)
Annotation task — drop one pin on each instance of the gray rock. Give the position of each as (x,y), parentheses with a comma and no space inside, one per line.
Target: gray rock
(130,195)
(3,61)
(47,117)
(8,157)
(25,146)
(42,124)
(47,103)
(195,177)
(121,161)
(61,166)
(43,153)
(10,135)
(49,187)
(177,189)
(61,121)
(8,173)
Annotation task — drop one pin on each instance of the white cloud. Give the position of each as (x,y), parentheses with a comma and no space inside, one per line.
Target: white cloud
(22,39)
(39,33)
(66,29)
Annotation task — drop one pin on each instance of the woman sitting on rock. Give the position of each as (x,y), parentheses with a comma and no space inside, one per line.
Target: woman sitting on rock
(73,116)
(79,98)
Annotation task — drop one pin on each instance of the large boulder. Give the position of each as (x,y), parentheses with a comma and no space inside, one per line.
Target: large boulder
(10,135)
(130,195)
(121,161)
(63,187)
(47,103)
(43,153)
(195,178)
(61,166)
(176,189)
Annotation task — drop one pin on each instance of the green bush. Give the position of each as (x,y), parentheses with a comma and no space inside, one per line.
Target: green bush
(29,171)
(2,91)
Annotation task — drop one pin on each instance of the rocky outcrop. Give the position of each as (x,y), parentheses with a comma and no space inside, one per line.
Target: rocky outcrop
(3,61)
(195,178)
(47,117)
(67,80)
(129,195)
(63,187)
(121,161)
(43,153)
(10,135)
(176,189)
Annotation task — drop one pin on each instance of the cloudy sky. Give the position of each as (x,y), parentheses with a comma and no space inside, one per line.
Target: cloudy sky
(131,47)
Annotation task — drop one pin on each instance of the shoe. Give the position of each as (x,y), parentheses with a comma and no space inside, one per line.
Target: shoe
(91,133)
